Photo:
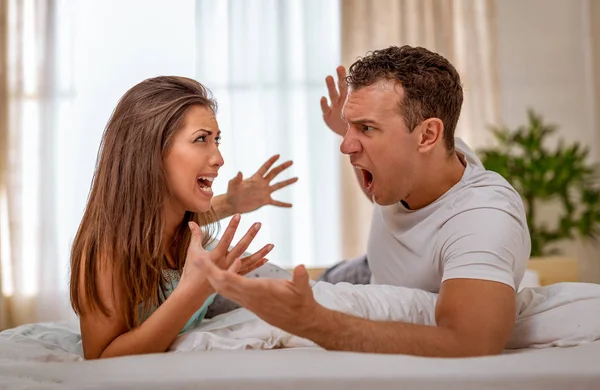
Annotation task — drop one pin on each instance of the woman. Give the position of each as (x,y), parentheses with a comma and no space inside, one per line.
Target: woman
(135,279)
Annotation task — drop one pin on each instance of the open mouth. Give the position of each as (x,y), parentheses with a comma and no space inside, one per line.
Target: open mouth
(205,184)
(367,179)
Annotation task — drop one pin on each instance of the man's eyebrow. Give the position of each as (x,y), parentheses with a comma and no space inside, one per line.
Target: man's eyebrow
(362,120)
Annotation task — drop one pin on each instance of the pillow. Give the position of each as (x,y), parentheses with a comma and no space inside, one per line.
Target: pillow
(530,279)
(354,271)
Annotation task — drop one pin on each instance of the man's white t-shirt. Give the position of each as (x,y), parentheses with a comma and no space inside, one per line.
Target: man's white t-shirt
(476,230)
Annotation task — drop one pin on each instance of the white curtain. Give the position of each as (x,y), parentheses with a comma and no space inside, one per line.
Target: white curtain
(4,313)
(265,61)
(34,276)
(463,31)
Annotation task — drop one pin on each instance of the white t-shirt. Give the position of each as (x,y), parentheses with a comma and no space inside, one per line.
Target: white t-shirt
(476,230)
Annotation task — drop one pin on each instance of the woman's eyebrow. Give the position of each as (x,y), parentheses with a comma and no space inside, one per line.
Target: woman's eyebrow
(207,131)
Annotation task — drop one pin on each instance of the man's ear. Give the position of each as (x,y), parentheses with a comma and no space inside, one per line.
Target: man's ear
(430,132)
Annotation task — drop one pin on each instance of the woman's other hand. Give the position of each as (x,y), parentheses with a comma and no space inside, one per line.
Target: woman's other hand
(250,194)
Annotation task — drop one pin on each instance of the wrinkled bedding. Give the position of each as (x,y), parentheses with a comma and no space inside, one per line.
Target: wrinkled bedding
(563,315)
(317,369)
(41,342)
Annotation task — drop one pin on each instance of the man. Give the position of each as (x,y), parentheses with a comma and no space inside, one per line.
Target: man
(440,223)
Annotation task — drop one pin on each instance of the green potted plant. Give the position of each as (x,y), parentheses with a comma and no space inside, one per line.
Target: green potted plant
(542,174)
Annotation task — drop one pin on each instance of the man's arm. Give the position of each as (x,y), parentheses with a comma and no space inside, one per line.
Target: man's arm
(474,317)
(475,311)
(484,251)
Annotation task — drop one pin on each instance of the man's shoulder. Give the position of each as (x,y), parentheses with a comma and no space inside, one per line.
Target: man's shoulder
(485,203)
(485,187)
(481,187)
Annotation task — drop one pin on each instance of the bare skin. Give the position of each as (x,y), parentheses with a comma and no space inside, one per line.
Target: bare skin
(246,195)
(194,153)
(467,324)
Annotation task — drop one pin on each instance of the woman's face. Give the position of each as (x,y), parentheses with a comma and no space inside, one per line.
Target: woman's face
(193,162)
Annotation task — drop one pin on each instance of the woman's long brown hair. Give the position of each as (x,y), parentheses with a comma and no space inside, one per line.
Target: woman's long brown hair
(123,225)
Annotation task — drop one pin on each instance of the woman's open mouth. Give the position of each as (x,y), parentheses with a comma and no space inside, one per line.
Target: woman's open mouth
(205,184)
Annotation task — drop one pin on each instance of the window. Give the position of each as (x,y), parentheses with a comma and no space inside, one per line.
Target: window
(265,62)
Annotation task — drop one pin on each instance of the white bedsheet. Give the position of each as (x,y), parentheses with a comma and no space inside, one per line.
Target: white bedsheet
(41,342)
(315,369)
(564,314)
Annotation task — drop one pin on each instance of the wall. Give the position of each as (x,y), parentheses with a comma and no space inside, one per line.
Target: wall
(547,62)
(543,53)
(545,57)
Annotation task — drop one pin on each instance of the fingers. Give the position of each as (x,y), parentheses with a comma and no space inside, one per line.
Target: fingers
(283,184)
(265,167)
(342,83)
(257,257)
(235,266)
(210,269)
(300,277)
(245,242)
(247,268)
(280,204)
(324,106)
(228,235)
(237,179)
(227,283)
(277,170)
(196,233)
(333,93)
(216,276)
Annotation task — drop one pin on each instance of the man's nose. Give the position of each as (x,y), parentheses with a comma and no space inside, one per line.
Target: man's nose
(350,144)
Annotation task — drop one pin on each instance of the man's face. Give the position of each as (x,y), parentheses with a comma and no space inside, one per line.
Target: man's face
(379,142)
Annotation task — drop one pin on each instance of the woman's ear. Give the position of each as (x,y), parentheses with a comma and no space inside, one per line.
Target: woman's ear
(430,132)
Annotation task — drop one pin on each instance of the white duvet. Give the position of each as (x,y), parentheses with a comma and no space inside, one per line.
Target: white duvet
(565,314)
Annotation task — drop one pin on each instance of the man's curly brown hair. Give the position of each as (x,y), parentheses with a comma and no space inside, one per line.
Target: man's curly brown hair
(432,87)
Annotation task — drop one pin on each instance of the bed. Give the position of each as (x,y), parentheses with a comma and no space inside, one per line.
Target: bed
(544,369)
(47,356)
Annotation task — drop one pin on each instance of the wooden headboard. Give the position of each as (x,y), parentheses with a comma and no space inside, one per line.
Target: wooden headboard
(550,270)
(555,269)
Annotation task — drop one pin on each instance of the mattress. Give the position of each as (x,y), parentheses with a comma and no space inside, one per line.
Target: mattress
(543,369)
(557,331)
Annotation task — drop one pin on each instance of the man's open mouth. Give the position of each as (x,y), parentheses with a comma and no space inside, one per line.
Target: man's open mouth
(367,179)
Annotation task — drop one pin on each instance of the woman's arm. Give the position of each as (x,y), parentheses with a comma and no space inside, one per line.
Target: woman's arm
(223,208)
(159,330)
(107,335)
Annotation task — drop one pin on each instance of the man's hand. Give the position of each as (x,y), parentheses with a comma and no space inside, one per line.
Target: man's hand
(248,195)
(474,317)
(222,256)
(285,304)
(332,114)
